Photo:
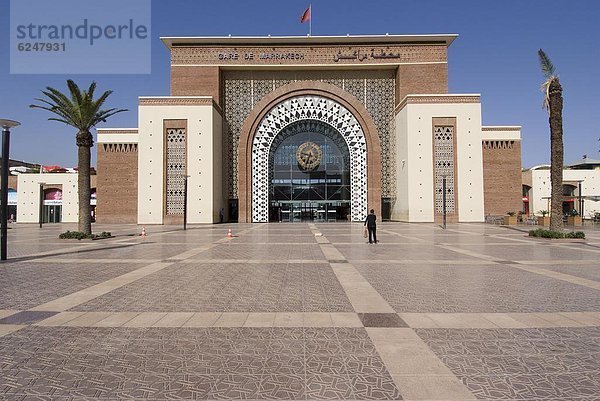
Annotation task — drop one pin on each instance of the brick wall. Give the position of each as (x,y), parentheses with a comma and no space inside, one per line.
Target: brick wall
(502,176)
(195,81)
(421,79)
(116,187)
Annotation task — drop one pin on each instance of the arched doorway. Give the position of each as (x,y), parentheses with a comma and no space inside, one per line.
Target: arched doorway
(309,174)
(308,116)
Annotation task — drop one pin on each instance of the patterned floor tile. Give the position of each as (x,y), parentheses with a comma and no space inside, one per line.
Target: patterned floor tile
(484,288)
(381,320)
(26,317)
(533,364)
(229,288)
(188,363)
(25,285)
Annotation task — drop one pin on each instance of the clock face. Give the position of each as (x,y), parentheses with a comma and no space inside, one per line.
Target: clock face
(309,156)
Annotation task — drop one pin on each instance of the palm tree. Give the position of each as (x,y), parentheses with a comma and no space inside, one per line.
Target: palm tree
(553,103)
(81,112)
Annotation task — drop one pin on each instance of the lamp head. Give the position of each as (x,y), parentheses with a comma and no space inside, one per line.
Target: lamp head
(8,124)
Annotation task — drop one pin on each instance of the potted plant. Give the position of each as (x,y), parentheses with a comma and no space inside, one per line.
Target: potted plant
(510,219)
(574,219)
(544,219)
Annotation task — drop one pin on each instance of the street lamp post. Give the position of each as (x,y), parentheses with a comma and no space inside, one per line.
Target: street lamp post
(444,200)
(185,200)
(580,200)
(6,126)
(41,203)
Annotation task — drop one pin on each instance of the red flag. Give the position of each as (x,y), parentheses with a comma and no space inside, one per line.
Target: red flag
(305,16)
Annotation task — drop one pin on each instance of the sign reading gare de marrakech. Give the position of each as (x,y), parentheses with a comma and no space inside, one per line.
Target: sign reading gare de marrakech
(291,129)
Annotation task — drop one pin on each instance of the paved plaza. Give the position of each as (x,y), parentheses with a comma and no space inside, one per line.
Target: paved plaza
(299,311)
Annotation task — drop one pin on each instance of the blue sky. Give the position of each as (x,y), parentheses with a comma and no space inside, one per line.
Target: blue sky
(495,55)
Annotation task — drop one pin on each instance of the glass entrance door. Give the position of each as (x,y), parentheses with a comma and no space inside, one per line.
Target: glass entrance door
(309,174)
(289,211)
(52,213)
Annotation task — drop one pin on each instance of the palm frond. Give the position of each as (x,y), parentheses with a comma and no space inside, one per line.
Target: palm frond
(75,92)
(60,120)
(104,114)
(80,109)
(550,74)
(546,64)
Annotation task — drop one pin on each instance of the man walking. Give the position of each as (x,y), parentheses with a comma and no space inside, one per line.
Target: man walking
(372,226)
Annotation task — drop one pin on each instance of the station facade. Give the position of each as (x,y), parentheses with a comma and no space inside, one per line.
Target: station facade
(264,129)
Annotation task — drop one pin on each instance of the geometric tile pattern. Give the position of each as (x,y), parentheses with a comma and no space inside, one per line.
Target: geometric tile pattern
(375,89)
(215,287)
(443,151)
(26,317)
(418,268)
(526,364)
(452,289)
(193,363)
(381,320)
(315,108)
(590,272)
(176,170)
(23,285)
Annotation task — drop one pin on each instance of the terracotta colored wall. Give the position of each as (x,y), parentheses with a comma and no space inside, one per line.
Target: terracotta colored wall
(116,186)
(502,176)
(421,79)
(196,81)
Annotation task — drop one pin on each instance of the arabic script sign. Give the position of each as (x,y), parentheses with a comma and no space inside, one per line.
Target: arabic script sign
(357,55)
(286,55)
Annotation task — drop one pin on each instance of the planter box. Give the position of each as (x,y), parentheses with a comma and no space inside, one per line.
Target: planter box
(543,221)
(575,221)
(509,220)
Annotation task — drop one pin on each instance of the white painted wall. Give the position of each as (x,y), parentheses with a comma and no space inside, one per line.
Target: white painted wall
(204,174)
(104,137)
(400,209)
(201,138)
(541,188)
(502,135)
(414,141)
(218,184)
(28,202)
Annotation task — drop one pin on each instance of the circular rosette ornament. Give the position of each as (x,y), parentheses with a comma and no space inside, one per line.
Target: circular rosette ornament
(309,156)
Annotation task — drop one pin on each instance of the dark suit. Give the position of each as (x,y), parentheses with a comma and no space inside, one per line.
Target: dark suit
(371,224)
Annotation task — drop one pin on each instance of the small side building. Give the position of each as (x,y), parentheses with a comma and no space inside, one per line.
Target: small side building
(57,191)
(581,188)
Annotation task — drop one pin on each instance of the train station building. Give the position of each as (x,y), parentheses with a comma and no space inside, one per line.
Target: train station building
(266,129)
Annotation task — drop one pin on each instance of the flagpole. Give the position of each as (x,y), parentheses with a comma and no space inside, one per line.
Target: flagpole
(310,20)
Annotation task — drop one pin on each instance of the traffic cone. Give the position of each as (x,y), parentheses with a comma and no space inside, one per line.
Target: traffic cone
(229,234)
(143,234)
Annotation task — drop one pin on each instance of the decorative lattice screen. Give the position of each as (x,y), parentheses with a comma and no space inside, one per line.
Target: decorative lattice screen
(374,88)
(443,159)
(176,170)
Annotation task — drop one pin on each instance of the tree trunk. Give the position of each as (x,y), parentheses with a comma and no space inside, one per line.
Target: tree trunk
(556,154)
(84,143)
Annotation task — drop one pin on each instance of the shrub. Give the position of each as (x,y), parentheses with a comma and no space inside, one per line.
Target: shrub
(73,235)
(79,235)
(576,234)
(541,233)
